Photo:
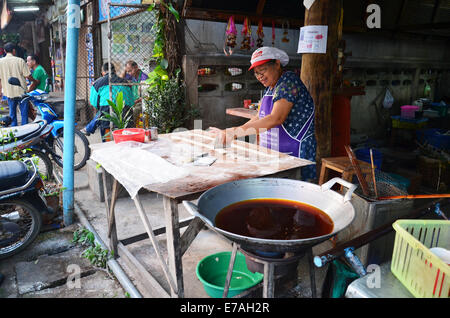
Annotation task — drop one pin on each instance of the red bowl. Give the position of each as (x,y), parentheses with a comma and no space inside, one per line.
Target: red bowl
(138,135)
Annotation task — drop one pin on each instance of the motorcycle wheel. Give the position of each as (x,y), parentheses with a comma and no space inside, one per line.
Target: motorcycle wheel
(82,152)
(42,161)
(20,223)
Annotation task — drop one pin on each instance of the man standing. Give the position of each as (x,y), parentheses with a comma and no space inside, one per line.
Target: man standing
(99,99)
(12,66)
(39,74)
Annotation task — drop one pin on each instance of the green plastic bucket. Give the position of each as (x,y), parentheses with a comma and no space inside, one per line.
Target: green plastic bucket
(212,272)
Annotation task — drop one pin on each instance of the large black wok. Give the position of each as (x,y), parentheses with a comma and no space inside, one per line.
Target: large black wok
(337,206)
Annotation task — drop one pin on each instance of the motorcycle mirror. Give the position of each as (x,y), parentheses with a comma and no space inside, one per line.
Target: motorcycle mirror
(14,81)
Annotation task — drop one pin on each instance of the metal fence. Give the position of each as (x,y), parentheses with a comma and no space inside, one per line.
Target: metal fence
(85,70)
(131,38)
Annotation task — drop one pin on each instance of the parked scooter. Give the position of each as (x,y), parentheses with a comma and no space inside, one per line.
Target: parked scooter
(28,141)
(55,140)
(22,207)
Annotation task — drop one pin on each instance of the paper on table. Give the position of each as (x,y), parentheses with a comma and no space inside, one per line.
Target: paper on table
(135,167)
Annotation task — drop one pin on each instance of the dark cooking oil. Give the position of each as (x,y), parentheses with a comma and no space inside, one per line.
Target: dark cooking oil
(275,219)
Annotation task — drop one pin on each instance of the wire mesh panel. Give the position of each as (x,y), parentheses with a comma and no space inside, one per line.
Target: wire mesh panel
(85,67)
(131,40)
(132,37)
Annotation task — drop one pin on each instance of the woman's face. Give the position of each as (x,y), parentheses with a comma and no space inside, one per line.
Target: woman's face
(268,73)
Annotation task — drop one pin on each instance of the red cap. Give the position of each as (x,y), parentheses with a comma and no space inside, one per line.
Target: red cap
(258,63)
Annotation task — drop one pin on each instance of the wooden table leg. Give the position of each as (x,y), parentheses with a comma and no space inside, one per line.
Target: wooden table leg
(323,174)
(110,215)
(156,246)
(174,243)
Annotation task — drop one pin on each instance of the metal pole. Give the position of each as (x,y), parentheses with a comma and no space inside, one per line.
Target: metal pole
(73,27)
(109,60)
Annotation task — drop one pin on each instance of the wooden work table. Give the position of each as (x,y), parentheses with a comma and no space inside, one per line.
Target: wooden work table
(242,112)
(240,161)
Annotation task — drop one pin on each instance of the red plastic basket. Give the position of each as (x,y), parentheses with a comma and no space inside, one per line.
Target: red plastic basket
(138,134)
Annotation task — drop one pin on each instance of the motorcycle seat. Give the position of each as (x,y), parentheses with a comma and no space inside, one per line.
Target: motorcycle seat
(13,174)
(19,132)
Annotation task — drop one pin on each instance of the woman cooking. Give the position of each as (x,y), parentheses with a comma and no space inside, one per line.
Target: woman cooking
(285,114)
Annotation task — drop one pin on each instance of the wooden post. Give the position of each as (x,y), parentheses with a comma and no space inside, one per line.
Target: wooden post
(317,71)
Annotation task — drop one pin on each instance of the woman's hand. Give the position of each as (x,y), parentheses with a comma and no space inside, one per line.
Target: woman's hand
(223,137)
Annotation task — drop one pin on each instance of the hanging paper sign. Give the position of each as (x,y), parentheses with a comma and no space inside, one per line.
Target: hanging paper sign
(313,39)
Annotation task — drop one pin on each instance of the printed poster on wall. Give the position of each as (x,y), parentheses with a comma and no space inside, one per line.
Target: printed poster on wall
(313,39)
(117,11)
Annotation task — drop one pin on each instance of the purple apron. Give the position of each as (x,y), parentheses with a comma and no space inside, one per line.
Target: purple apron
(277,138)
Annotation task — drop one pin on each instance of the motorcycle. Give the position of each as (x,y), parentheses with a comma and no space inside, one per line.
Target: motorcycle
(22,206)
(55,140)
(28,141)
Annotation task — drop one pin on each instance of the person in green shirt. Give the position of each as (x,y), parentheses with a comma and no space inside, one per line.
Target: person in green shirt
(38,73)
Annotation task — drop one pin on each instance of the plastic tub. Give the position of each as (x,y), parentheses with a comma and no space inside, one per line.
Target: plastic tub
(363,154)
(442,109)
(423,273)
(134,134)
(212,272)
(434,137)
(408,111)
(409,123)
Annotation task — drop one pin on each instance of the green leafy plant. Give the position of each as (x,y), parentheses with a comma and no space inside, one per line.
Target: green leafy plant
(15,153)
(164,100)
(84,237)
(97,255)
(119,116)
(94,252)
(166,106)
(160,75)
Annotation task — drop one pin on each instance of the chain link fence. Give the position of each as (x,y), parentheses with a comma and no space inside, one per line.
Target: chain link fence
(131,39)
(85,70)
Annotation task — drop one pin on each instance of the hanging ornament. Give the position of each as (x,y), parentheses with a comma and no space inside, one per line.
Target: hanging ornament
(252,41)
(230,37)
(260,34)
(246,35)
(273,33)
(285,32)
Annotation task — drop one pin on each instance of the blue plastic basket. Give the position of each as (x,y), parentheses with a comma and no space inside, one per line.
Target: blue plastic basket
(434,137)
(363,154)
